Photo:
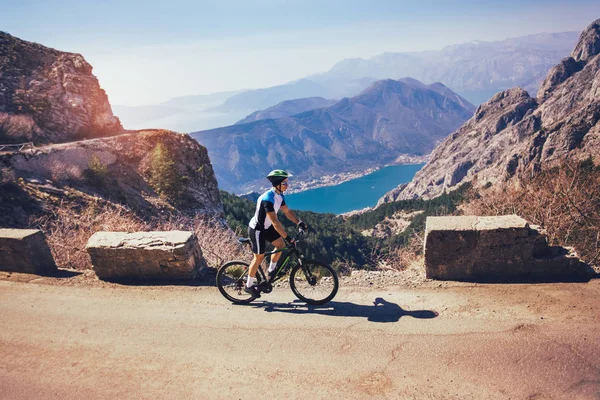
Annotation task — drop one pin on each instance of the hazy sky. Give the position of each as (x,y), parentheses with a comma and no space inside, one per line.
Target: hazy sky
(146,52)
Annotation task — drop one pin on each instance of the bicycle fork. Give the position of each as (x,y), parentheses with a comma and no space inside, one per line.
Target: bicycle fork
(307,274)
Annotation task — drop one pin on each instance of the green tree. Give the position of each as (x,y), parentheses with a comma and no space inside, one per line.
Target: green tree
(96,172)
(163,174)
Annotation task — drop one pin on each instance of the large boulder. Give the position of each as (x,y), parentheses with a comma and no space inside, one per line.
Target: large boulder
(472,248)
(145,255)
(25,250)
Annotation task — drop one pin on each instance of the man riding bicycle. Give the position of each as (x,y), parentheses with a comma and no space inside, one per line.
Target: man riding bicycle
(264,226)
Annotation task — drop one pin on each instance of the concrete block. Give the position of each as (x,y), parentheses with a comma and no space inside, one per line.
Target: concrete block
(25,250)
(145,255)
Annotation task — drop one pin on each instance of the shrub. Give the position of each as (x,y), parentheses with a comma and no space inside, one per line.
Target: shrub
(403,256)
(164,177)
(7,176)
(96,171)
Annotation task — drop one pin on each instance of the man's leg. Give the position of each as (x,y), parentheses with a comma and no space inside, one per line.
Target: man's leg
(254,265)
(251,281)
(257,240)
(278,245)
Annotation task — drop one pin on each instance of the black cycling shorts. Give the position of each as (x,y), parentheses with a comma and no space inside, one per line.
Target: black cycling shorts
(259,238)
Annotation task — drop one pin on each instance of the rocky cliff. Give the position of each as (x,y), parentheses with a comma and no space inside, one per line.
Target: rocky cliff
(49,96)
(116,169)
(388,120)
(514,134)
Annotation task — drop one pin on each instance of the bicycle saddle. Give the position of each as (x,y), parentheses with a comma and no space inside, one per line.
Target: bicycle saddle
(244,240)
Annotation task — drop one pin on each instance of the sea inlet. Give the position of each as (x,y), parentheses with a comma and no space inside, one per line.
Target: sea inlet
(355,194)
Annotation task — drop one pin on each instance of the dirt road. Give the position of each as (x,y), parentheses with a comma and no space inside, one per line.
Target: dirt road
(179,342)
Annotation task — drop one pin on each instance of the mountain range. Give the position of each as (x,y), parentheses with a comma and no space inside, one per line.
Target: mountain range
(389,119)
(475,70)
(514,134)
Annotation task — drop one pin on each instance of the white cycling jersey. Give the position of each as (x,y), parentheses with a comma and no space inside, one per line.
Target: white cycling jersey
(267,202)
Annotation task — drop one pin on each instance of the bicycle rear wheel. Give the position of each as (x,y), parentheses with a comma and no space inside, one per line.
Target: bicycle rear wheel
(314,282)
(231,281)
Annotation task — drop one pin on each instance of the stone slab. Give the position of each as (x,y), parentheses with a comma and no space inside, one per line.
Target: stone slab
(145,255)
(25,250)
(476,248)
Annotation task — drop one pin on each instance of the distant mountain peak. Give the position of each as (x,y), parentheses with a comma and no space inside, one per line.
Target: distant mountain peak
(588,45)
(287,108)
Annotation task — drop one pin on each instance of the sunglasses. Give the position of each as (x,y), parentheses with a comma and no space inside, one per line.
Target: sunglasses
(285,183)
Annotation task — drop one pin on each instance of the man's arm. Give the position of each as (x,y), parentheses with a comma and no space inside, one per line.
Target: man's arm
(290,214)
(276,224)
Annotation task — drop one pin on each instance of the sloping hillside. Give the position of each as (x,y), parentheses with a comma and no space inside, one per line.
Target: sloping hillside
(120,169)
(514,134)
(388,120)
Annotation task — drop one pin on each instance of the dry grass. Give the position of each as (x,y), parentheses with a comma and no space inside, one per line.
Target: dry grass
(70,226)
(408,255)
(400,257)
(565,201)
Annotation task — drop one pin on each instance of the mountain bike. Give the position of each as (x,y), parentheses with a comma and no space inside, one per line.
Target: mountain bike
(311,281)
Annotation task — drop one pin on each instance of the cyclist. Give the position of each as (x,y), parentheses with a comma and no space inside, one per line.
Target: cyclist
(264,226)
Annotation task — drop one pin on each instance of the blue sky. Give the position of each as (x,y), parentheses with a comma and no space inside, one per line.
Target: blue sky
(145,52)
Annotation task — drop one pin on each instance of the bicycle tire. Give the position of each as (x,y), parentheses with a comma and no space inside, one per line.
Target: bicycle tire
(325,281)
(231,280)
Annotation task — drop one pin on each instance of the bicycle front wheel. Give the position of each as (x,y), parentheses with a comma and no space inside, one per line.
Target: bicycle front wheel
(231,281)
(314,282)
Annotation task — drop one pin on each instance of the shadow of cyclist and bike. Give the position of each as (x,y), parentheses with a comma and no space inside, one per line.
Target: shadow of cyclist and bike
(381,310)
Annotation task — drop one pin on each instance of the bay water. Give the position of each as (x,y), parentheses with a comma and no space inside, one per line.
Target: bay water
(354,194)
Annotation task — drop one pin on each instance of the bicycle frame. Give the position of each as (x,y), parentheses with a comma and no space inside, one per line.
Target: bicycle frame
(293,250)
(283,264)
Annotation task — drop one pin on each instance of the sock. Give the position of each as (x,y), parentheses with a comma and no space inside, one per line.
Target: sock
(251,281)
(272,266)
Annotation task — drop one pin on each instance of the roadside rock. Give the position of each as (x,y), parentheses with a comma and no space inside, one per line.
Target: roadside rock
(25,250)
(145,255)
(497,248)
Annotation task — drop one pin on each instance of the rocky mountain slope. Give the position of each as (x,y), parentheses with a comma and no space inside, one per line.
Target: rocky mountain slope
(49,96)
(388,120)
(115,169)
(287,108)
(513,134)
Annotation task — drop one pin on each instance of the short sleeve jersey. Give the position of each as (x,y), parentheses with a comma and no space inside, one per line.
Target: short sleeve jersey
(267,202)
